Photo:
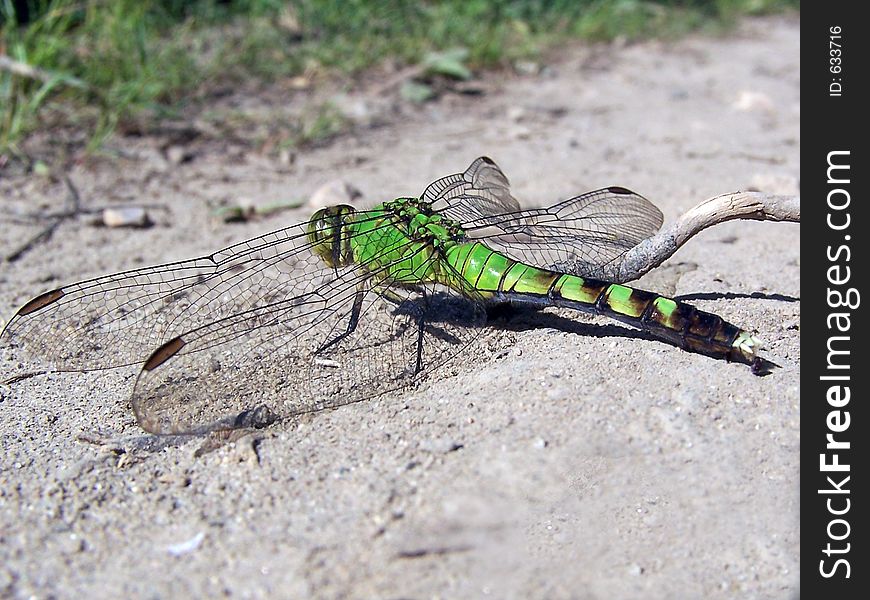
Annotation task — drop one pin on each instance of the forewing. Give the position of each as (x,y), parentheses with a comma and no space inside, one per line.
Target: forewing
(586,235)
(482,190)
(119,319)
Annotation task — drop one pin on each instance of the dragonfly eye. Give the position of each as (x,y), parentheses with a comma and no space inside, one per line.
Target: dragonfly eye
(325,234)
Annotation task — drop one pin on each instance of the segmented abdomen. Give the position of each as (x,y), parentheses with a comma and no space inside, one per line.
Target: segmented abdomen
(501,279)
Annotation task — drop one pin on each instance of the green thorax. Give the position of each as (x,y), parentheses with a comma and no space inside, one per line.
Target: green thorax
(405,242)
(416,218)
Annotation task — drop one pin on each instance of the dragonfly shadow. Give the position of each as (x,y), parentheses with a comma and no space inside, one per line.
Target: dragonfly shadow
(441,312)
(447,309)
(736,295)
(528,319)
(525,319)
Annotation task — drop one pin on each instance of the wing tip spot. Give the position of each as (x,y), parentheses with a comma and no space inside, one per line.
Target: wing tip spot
(617,189)
(40,302)
(163,353)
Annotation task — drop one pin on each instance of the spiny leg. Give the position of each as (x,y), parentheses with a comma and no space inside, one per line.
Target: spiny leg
(390,295)
(421,325)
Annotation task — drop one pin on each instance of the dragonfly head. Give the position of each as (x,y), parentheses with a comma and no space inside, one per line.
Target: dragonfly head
(328,236)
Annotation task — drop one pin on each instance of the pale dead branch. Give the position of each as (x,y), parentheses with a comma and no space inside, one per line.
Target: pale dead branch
(755,206)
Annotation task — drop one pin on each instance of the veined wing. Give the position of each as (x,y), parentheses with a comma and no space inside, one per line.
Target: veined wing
(584,235)
(117,320)
(480,191)
(263,329)
(334,345)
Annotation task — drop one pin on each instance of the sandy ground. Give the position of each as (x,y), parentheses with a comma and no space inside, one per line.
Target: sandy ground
(582,463)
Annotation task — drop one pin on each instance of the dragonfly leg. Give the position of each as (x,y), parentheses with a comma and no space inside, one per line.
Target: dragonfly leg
(421,324)
(351,324)
(391,295)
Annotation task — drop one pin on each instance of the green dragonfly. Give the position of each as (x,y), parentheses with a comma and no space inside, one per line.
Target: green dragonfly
(354,303)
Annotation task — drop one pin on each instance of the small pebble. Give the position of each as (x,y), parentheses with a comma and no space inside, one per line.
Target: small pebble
(129,216)
(440,446)
(187,546)
(520,132)
(516,114)
(527,67)
(753,101)
(178,155)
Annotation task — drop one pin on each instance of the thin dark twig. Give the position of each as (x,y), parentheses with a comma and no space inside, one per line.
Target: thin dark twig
(73,196)
(39,238)
(73,200)
(27,219)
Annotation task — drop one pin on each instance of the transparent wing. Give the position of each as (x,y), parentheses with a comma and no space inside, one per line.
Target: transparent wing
(585,235)
(302,355)
(117,320)
(480,191)
(260,330)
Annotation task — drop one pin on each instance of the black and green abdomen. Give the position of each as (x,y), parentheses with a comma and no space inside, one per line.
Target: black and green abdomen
(499,278)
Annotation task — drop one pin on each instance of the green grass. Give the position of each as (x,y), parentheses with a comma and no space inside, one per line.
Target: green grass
(97,64)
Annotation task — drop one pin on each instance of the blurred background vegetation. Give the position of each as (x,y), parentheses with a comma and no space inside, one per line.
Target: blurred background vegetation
(92,64)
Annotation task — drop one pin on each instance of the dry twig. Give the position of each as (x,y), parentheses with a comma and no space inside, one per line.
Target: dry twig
(756,206)
(75,208)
